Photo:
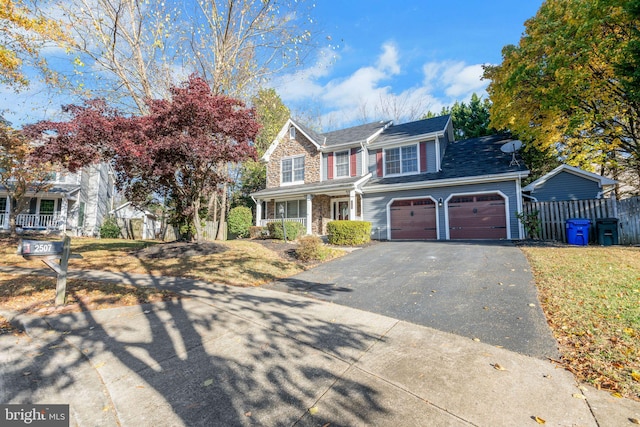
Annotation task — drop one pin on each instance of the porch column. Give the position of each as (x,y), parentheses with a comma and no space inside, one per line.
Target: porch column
(5,222)
(352,205)
(258,211)
(64,210)
(309,213)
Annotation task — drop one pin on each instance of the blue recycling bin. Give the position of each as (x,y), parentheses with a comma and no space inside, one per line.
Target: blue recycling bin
(578,231)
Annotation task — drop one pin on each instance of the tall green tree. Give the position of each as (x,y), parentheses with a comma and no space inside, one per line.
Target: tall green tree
(469,120)
(561,89)
(272,114)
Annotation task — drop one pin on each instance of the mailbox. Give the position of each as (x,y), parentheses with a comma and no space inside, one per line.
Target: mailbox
(30,248)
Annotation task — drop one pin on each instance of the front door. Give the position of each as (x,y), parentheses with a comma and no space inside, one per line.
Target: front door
(341,210)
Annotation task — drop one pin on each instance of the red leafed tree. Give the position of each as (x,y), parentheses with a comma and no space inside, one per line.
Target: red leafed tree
(178,150)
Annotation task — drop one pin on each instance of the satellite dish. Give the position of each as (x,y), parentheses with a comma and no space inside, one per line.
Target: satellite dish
(512,147)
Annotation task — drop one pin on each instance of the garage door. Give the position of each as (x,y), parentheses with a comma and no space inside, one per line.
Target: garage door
(413,219)
(477,217)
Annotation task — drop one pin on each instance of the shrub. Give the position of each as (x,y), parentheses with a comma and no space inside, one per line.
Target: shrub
(294,229)
(310,248)
(531,223)
(110,229)
(256,232)
(349,233)
(239,221)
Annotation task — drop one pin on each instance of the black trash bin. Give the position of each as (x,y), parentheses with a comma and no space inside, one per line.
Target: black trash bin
(607,230)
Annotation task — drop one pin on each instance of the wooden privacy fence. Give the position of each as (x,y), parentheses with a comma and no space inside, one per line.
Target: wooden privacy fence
(629,221)
(553,215)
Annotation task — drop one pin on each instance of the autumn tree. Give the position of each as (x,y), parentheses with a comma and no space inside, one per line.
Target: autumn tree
(23,33)
(562,89)
(174,151)
(22,174)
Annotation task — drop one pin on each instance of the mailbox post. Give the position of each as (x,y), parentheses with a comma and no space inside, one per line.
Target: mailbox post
(49,252)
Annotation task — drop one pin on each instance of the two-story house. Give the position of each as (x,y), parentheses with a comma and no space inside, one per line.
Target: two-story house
(76,203)
(411,181)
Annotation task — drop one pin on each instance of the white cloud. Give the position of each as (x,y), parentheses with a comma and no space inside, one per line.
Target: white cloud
(367,93)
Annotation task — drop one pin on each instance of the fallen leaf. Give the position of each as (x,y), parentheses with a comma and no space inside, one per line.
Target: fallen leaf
(634,420)
(147,311)
(326,425)
(106,408)
(99,365)
(26,373)
(616,395)
(139,386)
(247,414)
(532,305)
(579,396)
(313,410)
(498,367)
(208,382)
(476,339)
(539,420)
(635,376)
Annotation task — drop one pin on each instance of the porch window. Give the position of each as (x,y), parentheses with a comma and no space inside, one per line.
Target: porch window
(342,163)
(293,170)
(401,160)
(3,206)
(292,209)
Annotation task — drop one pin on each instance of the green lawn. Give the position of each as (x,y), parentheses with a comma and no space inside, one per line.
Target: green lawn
(591,296)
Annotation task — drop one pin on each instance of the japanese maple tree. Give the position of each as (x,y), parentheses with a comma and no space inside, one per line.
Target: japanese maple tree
(177,150)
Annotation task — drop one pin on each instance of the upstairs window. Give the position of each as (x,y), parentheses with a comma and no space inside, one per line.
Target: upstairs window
(292,132)
(342,163)
(401,160)
(293,170)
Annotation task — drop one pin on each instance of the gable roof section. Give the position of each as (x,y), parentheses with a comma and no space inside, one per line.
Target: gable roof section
(355,135)
(316,139)
(413,130)
(463,161)
(602,180)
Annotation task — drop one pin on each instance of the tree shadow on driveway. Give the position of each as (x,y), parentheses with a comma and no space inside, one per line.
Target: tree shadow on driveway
(226,357)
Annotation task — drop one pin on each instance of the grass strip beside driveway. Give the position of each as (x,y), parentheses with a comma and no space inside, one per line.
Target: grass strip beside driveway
(591,297)
(235,262)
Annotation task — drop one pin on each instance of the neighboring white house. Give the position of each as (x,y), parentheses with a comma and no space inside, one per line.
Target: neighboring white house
(76,204)
(125,213)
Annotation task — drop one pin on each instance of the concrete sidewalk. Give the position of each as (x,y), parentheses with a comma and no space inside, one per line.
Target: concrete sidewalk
(252,356)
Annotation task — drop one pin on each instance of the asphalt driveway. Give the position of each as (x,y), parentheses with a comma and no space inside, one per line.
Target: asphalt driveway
(481,290)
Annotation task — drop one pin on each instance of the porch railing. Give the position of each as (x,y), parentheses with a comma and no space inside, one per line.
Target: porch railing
(264,222)
(37,221)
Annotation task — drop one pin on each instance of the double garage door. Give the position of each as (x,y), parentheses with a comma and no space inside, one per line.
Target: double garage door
(470,217)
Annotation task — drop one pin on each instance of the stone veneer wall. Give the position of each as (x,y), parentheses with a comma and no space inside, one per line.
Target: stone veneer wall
(321,214)
(291,147)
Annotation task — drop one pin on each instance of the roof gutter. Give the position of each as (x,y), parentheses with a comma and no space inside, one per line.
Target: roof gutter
(445,182)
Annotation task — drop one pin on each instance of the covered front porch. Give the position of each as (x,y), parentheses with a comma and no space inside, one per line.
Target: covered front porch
(46,212)
(311,205)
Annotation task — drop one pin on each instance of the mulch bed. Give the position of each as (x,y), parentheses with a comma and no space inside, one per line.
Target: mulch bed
(179,250)
(284,250)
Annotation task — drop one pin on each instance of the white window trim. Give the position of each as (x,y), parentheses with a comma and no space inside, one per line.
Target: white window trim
(400,147)
(335,164)
(282,183)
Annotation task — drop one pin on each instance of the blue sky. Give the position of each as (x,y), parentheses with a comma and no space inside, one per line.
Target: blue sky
(418,55)
(410,56)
